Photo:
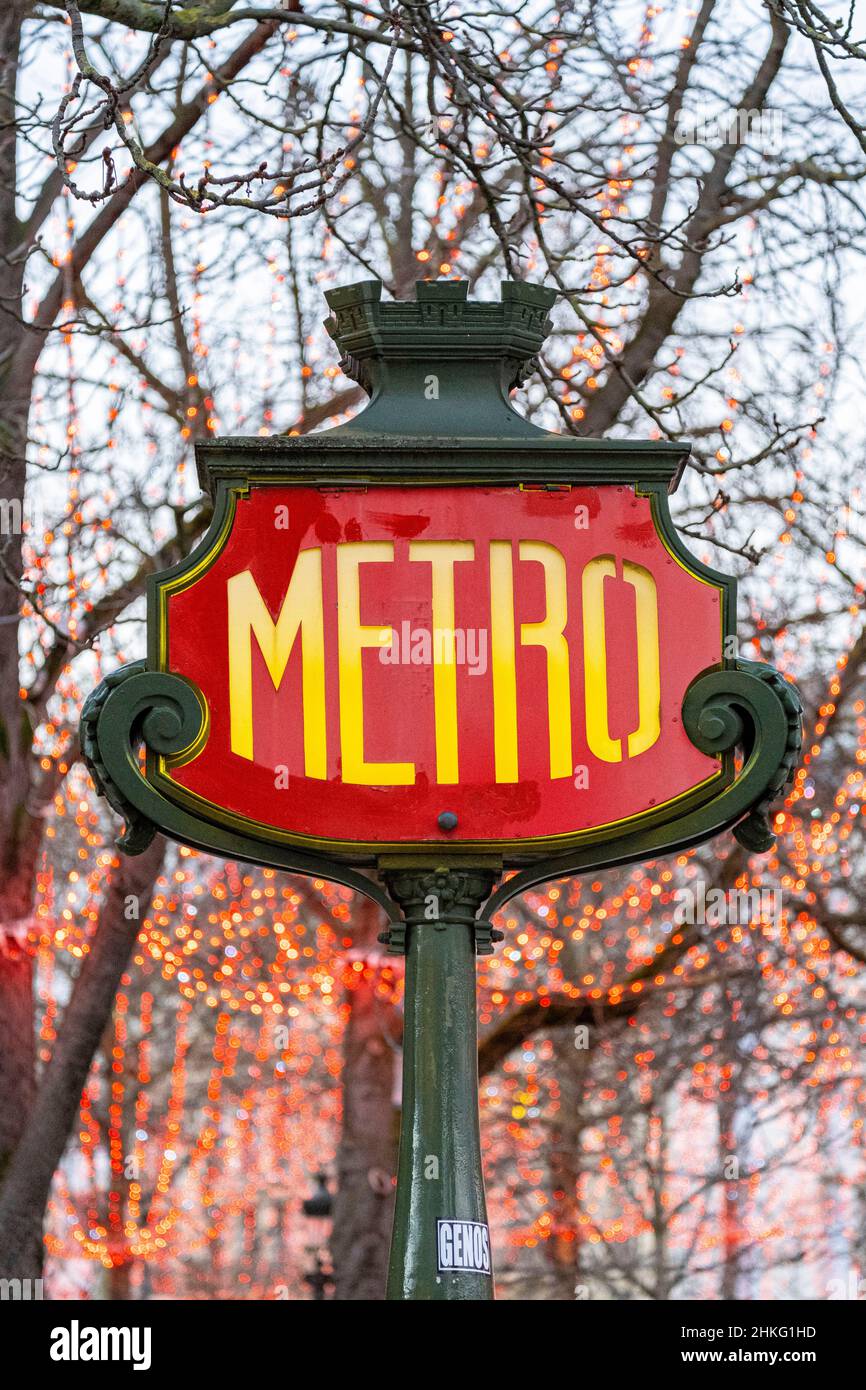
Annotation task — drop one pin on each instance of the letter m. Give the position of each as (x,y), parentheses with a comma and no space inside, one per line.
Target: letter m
(302,612)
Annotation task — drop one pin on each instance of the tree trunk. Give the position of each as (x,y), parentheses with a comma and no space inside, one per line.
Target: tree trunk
(17,1043)
(17,1075)
(563,1248)
(367,1155)
(731,1218)
(119,1282)
(51,1117)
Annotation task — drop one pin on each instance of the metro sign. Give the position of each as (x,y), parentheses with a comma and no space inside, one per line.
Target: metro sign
(382,661)
(427,646)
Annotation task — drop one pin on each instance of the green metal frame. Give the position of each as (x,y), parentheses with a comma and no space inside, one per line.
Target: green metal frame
(439,899)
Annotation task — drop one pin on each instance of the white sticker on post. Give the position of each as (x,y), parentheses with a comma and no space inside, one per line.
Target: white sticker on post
(463,1247)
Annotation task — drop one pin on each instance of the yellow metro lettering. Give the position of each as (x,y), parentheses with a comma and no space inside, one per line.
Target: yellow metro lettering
(648,674)
(502,661)
(598,737)
(550,634)
(442,557)
(595,660)
(352,638)
(302,616)
(301,611)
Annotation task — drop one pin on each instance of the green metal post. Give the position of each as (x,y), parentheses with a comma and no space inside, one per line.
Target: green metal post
(441,1217)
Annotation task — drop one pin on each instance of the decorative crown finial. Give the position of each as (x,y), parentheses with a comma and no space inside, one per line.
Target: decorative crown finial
(441,323)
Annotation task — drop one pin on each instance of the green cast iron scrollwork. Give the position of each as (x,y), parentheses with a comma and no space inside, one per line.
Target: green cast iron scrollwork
(135,707)
(721,713)
(432,897)
(131,706)
(755,833)
(748,706)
